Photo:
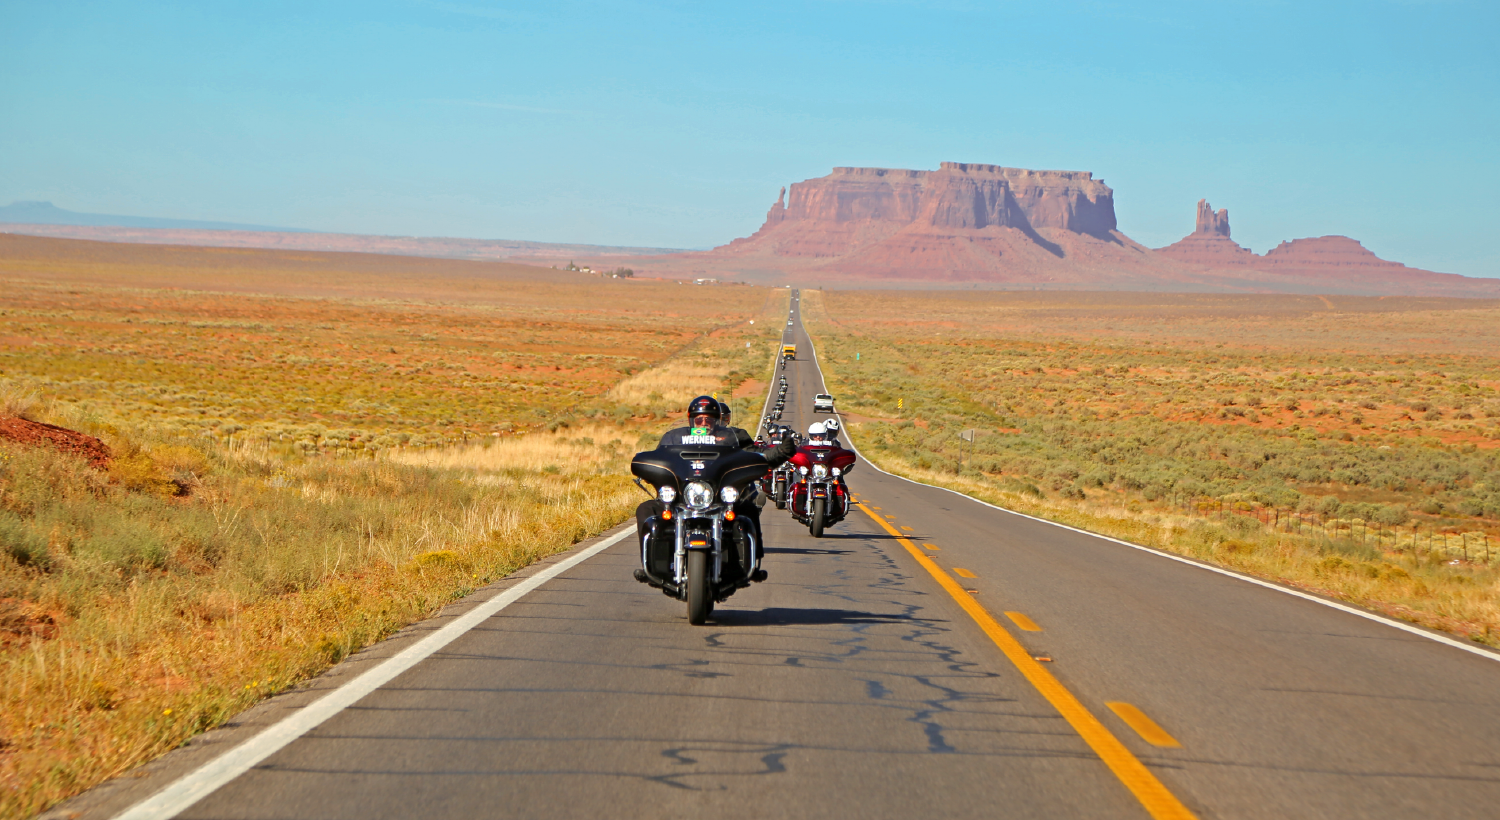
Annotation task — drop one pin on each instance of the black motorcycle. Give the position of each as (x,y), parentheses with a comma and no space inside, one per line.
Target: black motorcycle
(698,549)
(779,484)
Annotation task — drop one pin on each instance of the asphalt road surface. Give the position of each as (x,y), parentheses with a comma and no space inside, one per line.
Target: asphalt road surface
(856,682)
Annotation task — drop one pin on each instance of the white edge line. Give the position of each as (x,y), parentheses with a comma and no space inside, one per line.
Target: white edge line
(1482,652)
(203,781)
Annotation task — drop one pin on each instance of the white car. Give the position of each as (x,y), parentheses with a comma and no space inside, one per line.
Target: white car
(822,403)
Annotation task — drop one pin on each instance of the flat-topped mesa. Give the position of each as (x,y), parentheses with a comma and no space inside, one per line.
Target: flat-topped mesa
(958,195)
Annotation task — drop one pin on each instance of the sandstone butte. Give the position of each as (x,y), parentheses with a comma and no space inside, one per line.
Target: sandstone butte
(971,225)
(1333,260)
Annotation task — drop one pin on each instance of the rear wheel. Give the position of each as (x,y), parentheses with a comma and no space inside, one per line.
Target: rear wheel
(700,602)
(819,511)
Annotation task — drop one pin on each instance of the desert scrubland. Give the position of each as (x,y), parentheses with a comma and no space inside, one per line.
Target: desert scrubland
(1345,445)
(308,452)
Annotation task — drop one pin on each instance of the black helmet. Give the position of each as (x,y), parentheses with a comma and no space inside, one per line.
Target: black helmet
(725,412)
(705,406)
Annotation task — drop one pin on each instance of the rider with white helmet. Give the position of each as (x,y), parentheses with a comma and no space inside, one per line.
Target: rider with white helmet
(817,433)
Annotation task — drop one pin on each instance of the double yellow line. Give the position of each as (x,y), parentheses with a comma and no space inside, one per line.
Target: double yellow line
(1154,796)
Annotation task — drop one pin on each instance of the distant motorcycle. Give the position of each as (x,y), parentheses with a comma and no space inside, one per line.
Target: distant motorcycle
(777,482)
(818,497)
(698,550)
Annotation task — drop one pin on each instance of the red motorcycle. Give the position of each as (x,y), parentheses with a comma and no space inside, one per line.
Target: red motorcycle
(818,496)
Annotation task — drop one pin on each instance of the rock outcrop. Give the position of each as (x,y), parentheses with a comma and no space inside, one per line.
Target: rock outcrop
(958,195)
(1325,264)
(1210,222)
(970,225)
(1209,244)
(962,222)
(1325,253)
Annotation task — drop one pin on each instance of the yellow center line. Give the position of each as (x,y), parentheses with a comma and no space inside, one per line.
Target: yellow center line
(1153,795)
(1023,622)
(963,573)
(932,547)
(1143,726)
(904,527)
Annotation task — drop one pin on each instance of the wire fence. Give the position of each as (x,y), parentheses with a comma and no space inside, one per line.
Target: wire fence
(1419,540)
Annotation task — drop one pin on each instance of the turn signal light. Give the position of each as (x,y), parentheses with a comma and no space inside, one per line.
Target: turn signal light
(729,515)
(666,515)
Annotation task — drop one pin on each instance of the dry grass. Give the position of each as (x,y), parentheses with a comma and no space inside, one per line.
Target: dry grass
(583,449)
(295,477)
(163,616)
(1349,445)
(19,400)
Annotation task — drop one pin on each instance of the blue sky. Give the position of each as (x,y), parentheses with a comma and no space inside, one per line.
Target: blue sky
(674,124)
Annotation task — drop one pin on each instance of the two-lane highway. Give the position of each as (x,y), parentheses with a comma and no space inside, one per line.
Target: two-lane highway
(856,683)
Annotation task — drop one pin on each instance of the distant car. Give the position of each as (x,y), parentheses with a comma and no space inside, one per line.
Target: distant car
(822,403)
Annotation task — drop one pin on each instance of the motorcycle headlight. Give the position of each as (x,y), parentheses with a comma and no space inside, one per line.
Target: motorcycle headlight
(729,495)
(836,471)
(699,495)
(802,470)
(820,471)
(666,494)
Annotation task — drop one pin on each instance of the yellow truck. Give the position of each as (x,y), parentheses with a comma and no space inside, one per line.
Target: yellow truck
(788,352)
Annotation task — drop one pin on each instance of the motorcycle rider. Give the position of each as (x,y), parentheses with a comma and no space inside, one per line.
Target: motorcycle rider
(744,436)
(831,427)
(706,417)
(817,434)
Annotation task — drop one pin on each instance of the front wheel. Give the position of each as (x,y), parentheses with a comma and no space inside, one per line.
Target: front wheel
(819,512)
(700,602)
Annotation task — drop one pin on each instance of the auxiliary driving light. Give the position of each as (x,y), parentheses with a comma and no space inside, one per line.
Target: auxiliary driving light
(729,495)
(666,494)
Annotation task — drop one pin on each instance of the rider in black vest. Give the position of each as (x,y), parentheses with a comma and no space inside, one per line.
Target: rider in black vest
(708,414)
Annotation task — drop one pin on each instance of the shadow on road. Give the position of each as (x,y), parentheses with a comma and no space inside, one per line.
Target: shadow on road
(787,616)
(866,536)
(794,551)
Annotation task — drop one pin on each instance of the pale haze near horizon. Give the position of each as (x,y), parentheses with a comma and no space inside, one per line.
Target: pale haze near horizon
(674,125)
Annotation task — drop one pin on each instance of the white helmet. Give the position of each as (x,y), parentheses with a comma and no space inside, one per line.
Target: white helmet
(817,430)
(832,425)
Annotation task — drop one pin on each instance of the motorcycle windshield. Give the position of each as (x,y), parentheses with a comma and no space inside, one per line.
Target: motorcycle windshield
(694,454)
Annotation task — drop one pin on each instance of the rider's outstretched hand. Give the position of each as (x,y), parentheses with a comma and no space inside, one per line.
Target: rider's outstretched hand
(781,452)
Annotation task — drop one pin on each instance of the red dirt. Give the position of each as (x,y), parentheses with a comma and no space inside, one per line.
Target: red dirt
(34,433)
(20,621)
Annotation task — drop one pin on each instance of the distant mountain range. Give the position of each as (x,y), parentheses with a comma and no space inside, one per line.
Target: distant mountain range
(45,213)
(46,219)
